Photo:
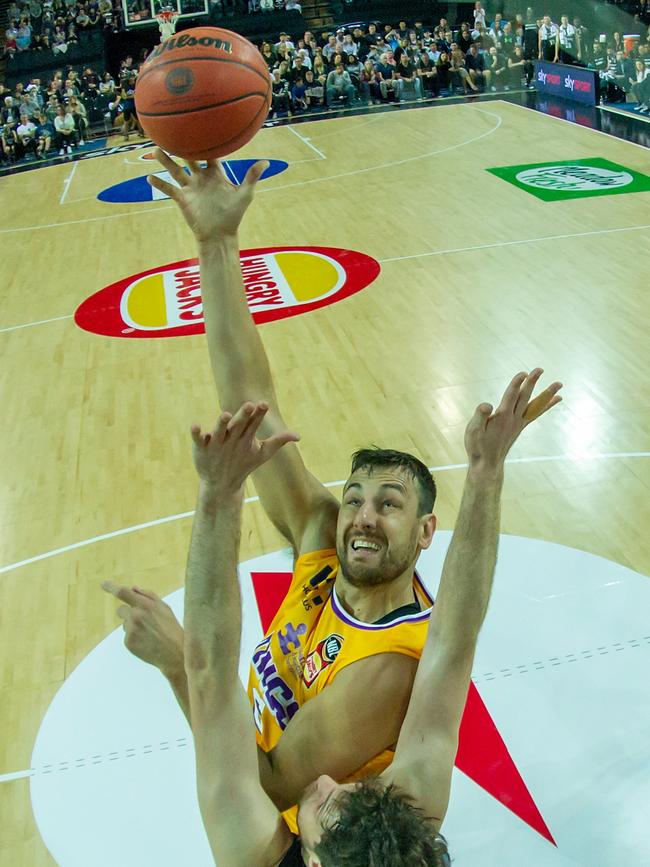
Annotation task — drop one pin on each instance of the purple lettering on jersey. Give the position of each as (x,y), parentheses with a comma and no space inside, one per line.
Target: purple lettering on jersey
(278,696)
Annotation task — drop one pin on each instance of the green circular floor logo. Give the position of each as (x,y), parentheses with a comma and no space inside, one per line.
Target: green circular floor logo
(574,177)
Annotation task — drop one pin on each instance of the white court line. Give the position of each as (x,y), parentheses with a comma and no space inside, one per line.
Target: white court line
(229,172)
(17,775)
(67,182)
(307,142)
(514,243)
(598,456)
(395,162)
(573,124)
(30,324)
(448,251)
(140,211)
(135,213)
(355,127)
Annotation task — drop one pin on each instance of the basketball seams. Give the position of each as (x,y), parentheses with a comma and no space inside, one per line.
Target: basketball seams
(179,60)
(205,107)
(235,137)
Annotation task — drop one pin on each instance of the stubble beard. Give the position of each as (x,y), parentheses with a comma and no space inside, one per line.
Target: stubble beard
(387,570)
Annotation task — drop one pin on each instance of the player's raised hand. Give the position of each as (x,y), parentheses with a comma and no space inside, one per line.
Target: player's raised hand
(226,456)
(212,206)
(490,434)
(151,631)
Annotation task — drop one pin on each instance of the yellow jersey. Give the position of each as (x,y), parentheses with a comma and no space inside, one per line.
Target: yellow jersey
(311,639)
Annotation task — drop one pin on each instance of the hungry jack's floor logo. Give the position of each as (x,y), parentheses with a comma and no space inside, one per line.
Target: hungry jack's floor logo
(279,282)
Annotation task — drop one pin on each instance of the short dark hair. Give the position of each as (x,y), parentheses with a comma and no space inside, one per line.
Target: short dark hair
(376,458)
(378,826)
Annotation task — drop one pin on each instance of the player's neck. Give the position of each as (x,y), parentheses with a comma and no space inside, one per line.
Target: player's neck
(370,604)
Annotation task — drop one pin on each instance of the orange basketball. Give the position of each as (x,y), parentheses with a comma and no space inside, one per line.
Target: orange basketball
(203,93)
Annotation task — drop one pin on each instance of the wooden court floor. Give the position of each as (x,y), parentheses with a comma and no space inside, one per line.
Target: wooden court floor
(479,279)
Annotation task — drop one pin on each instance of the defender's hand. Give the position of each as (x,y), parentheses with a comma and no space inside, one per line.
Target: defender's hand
(151,631)
(211,205)
(227,456)
(490,435)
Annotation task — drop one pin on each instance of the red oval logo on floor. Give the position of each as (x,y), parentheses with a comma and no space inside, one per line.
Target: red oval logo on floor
(279,282)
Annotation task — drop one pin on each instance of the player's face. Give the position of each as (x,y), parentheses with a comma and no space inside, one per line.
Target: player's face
(317,810)
(379,532)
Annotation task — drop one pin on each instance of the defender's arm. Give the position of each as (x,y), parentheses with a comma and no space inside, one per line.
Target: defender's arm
(428,742)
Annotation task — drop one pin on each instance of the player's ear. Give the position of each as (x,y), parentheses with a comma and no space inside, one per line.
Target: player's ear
(427,529)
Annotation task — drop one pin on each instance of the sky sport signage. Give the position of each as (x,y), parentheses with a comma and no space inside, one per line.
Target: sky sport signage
(567,82)
(573,179)
(280,282)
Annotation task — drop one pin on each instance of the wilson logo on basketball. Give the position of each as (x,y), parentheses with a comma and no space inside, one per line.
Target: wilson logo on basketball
(279,283)
(179,80)
(186,41)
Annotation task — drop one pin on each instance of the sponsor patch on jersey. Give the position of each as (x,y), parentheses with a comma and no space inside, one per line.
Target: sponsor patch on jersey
(321,658)
(573,179)
(279,282)
(140,190)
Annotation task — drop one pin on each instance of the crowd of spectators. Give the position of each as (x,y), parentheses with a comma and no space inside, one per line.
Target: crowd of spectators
(38,25)
(361,64)
(38,118)
(382,63)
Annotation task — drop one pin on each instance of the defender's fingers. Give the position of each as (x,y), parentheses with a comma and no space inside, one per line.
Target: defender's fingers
(123,612)
(543,402)
(510,395)
(274,443)
(482,415)
(177,172)
(255,419)
(222,427)
(527,389)
(241,418)
(125,594)
(149,594)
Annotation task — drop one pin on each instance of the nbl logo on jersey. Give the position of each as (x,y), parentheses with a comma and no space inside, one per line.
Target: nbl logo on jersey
(324,655)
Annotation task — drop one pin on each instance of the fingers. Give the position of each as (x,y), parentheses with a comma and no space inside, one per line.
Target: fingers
(164,186)
(148,594)
(510,395)
(527,389)
(274,443)
(255,173)
(177,172)
(481,415)
(247,419)
(125,594)
(543,402)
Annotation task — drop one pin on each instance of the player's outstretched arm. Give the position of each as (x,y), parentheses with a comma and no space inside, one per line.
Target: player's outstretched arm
(428,741)
(243,826)
(300,507)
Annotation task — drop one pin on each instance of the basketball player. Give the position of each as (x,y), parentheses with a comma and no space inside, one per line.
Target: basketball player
(350,728)
(395,818)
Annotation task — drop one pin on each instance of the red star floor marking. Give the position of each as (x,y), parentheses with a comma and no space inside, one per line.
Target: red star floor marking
(482,753)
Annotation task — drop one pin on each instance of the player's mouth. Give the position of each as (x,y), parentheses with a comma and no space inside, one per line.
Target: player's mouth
(364,547)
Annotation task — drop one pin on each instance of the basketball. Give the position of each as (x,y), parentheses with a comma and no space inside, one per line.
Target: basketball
(203,93)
